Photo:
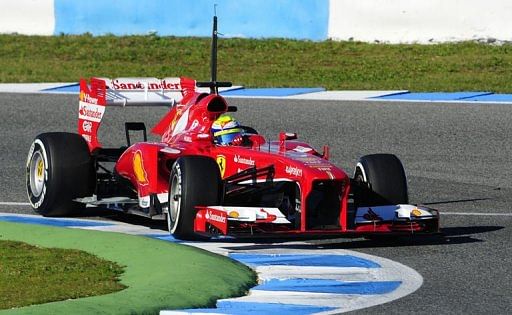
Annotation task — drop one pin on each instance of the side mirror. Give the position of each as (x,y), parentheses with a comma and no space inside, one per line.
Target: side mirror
(283,136)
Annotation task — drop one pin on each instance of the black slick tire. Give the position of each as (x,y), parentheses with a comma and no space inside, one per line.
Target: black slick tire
(380,180)
(59,169)
(194,181)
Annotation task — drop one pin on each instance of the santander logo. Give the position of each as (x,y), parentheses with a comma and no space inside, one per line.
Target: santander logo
(142,83)
(215,217)
(90,112)
(241,160)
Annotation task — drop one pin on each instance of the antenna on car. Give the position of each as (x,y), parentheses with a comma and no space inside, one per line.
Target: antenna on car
(213,61)
(214,84)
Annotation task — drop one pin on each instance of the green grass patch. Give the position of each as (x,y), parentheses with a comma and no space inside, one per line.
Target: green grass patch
(261,63)
(158,275)
(34,275)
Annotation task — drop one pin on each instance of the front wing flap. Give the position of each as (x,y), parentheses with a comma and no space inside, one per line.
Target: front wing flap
(393,213)
(400,218)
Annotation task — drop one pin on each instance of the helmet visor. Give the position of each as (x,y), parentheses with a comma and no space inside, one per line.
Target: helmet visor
(226,137)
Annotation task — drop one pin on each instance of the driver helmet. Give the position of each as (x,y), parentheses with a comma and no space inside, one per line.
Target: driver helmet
(225,129)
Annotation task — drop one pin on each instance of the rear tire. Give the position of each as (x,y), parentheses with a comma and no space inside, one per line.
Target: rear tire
(59,169)
(380,180)
(195,181)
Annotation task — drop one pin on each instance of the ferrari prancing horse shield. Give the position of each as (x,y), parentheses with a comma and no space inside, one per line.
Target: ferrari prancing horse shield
(221,161)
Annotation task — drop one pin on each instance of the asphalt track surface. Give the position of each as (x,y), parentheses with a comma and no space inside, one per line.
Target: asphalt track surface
(457,157)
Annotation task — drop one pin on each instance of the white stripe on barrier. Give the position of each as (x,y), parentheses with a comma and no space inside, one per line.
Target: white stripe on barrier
(419,21)
(28,17)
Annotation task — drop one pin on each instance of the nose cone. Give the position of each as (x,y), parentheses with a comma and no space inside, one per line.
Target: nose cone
(312,167)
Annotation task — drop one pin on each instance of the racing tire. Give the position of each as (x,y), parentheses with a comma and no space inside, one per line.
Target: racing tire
(194,181)
(59,169)
(380,180)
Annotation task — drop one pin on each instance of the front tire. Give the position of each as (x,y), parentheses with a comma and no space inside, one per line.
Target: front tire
(380,180)
(195,181)
(59,169)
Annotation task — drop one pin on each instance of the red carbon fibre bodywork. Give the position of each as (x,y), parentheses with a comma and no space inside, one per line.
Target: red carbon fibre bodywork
(92,104)
(185,131)
(202,186)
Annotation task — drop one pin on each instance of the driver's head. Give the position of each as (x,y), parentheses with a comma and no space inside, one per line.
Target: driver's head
(225,129)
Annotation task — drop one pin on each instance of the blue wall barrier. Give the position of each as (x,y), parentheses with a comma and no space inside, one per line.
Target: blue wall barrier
(388,21)
(299,19)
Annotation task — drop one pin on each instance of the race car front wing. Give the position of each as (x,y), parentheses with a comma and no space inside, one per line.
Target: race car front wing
(399,219)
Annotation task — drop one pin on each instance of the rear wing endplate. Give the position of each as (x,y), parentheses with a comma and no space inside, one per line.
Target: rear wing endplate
(102,92)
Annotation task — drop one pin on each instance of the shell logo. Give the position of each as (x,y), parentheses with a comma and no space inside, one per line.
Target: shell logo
(234,214)
(138,169)
(176,117)
(416,212)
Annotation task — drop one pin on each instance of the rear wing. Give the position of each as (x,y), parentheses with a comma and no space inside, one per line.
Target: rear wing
(139,91)
(102,92)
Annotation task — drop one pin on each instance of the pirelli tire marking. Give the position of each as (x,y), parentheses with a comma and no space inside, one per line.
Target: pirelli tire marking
(37,173)
(173,214)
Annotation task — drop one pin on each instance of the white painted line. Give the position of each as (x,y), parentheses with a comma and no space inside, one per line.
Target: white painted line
(122,228)
(6,203)
(347,95)
(462,101)
(343,95)
(313,272)
(483,214)
(29,87)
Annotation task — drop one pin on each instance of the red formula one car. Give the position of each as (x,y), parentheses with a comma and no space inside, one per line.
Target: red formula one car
(203,186)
